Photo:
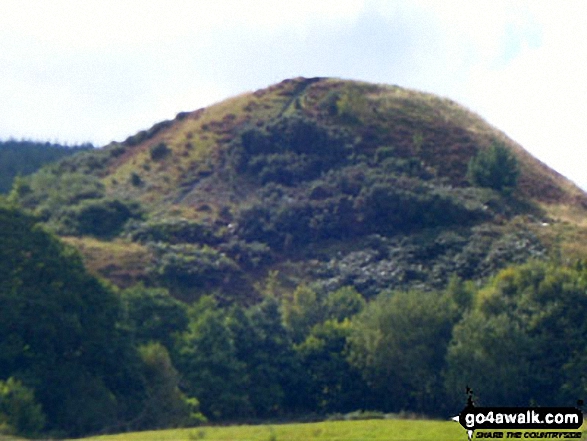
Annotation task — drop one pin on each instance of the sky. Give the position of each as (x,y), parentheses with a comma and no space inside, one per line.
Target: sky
(76,71)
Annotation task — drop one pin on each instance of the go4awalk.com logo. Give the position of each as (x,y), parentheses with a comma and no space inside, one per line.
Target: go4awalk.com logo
(520,422)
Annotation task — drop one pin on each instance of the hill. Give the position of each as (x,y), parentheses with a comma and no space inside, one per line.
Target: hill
(326,181)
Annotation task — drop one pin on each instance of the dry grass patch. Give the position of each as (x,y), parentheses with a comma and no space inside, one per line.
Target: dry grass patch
(120,261)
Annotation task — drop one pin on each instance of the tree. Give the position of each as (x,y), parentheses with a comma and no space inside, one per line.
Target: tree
(495,167)
(207,358)
(166,405)
(334,384)
(524,341)
(59,331)
(399,344)
(274,380)
(151,314)
(301,311)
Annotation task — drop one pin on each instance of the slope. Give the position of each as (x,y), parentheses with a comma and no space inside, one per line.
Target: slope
(328,181)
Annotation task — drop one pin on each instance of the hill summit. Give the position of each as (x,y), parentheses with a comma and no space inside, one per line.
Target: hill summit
(326,181)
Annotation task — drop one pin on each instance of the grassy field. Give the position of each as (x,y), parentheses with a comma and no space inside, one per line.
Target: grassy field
(389,430)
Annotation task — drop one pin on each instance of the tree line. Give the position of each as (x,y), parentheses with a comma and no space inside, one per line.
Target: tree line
(78,356)
(21,158)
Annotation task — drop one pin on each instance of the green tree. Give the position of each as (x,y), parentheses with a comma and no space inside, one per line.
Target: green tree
(207,358)
(59,331)
(334,385)
(524,340)
(344,303)
(151,314)
(495,167)
(274,379)
(301,311)
(399,344)
(166,405)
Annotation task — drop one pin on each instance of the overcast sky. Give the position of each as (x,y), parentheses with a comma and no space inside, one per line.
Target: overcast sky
(100,70)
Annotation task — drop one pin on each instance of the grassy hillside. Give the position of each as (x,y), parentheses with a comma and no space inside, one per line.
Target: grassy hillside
(327,181)
(388,430)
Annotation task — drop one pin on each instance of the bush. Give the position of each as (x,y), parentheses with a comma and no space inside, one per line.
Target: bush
(159,151)
(98,217)
(191,265)
(136,180)
(173,231)
(496,168)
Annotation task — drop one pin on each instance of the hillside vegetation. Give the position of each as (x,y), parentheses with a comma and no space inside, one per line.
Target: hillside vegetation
(328,181)
(311,250)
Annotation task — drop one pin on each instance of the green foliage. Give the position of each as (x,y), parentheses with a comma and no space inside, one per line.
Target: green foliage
(48,191)
(304,309)
(166,406)
(405,204)
(20,414)
(399,344)
(73,203)
(334,385)
(248,255)
(301,312)
(289,150)
(344,303)
(135,179)
(173,231)
(525,338)
(152,315)
(207,358)
(192,265)
(495,167)
(102,218)
(59,331)
(351,202)
(273,376)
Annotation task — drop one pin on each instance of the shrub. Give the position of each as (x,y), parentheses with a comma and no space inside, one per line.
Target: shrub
(159,151)
(99,217)
(496,168)
(172,230)
(136,180)
(192,265)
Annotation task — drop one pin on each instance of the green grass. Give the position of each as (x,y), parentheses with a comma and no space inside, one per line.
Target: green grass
(389,430)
